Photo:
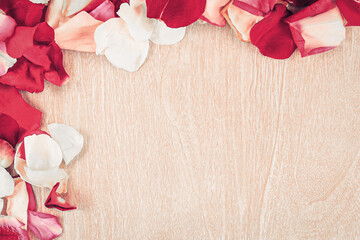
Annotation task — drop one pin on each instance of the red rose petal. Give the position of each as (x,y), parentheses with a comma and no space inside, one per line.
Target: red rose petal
(24,12)
(104,11)
(25,75)
(44,226)
(255,7)
(350,10)
(32,201)
(117,3)
(302,3)
(55,201)
(176,13)
(11,229)
(9,130)
(21,40)
(7,26)
(57,74)
(12,104)
(273,36)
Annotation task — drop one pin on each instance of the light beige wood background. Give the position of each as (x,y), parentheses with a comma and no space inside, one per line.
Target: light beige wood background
(211,140)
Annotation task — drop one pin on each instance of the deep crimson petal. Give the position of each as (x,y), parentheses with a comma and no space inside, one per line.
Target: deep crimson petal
(11,229)
(44,34)
(44,226)
(57,74)
(273,36)
(21,41)
(25,75)
(302,3)
(9,130)
(255,7)
(176,13)
(38,55)
(55,201)
(12,104)
(24,12)
(117,3)
(32,201)
(350,10)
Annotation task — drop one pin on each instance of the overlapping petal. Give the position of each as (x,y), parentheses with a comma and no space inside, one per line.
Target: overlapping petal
(43,225)
(350,10)
(212,13)
(317,28)
(113,39)
(272,35)
(11,228)
(7,154)
(6,61)
(164,35)
(54,200)
(7,26)
(176,13)
(255,7)
(7,184)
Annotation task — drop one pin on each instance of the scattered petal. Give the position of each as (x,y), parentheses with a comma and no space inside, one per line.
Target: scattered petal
(7,154)
(70,141)
(1,205)
(272,35)
(24,12)
(256,7)
(351,11)
(12,229)
(213,14)
(114,40)
(17,203)
(176,13)
(139,26)
(54,200)
(6,61)
(104,11)
(317,28)
(40,1)
(44,226)
(7,26)
(32,201)
(7,183)
(240,21)
(166,36)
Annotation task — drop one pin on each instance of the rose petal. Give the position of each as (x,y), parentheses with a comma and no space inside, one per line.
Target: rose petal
(255,7)
(44,226)
(139,26)
(42,152)
(9,130)
(7,183)
(78,33)
(12,104)
(114,40)
(70,141)
(24,12)
(6,61)
(17,203)
(7,26)
(57,74)
(7,154)
(301,3)
(176,13)
(213,14)
(351,11)
(104,11)
(166,36)
(32,201)
(40,1)
(273,36)
(1,205)
(317,28)
(54,200)
(12,229)
(240,21)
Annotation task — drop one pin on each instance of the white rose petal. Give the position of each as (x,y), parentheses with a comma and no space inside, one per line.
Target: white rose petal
(6,183)
(113,39)
(164,35)
(70,141)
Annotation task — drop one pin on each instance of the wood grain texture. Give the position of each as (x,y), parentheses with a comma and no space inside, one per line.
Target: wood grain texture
(211,140)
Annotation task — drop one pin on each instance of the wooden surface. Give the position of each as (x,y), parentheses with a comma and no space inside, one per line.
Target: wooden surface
(211,140)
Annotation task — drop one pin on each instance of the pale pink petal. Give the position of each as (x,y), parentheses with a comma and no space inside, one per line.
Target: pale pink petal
(319,33)
(44,226)
(121,49)
(17,204)
(78,33)
(212,12)
(7,154)
(166,36)
(70,141)
(104,11)
(6,183)
(7,26)
(12,228)
(6,61)
(241,21)
(140,26)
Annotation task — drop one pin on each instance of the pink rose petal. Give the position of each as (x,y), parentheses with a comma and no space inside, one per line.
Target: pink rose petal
(212,12)
(54,200)
(11,229)
(255,7)
(44,226)
(7,154)
(7,26)
(104,11)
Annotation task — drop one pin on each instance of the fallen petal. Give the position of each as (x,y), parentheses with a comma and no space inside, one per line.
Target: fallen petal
(44,226)
(12,229)
(32,201)
(17,203)
(7,183)
(273,36)
(54,200)
(114,40)
(104,11)
(213,14)
(70,141)
(7,26)
(351,11)
(167,36)
(255,7)
(6,61)
(7,154)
